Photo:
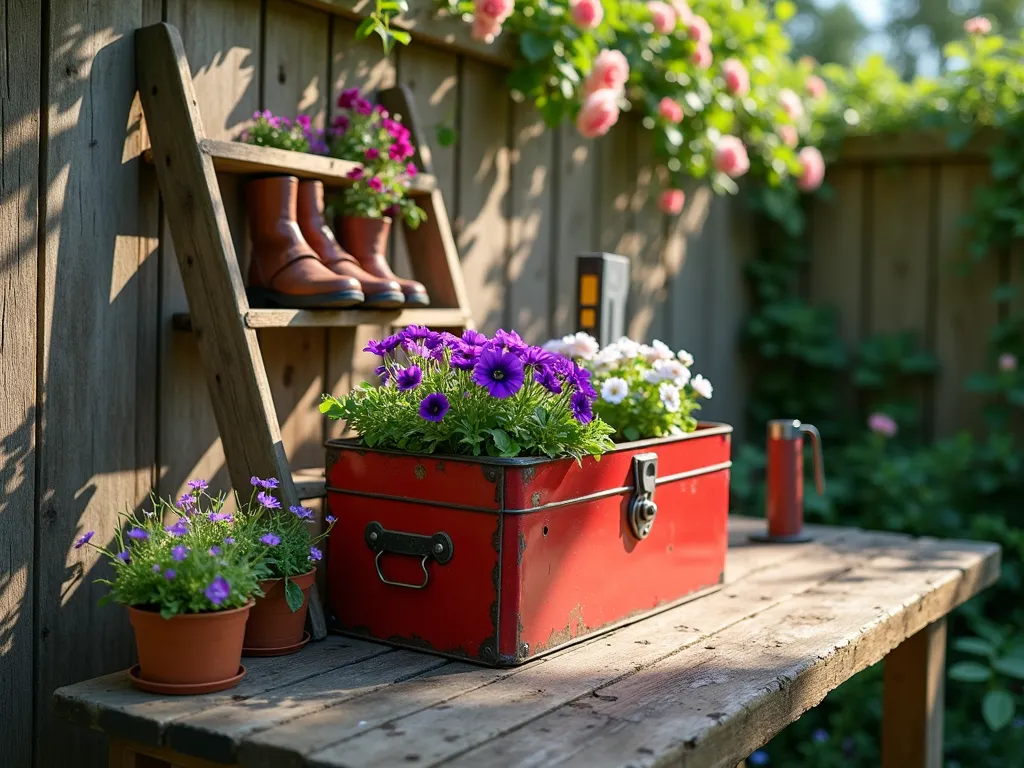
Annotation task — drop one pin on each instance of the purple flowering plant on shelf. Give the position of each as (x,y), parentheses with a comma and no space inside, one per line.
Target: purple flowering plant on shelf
(644,391)
(279,132)
(473,395)
(190,565)
(369,135)
(282,541)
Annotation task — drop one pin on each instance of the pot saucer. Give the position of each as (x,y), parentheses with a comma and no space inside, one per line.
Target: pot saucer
(184,689)
(284,650)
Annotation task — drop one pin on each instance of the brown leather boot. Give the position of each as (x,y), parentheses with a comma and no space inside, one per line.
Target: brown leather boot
(284,270)
(380,292)
(367,240)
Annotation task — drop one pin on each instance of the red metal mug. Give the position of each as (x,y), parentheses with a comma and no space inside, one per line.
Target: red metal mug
(784,508)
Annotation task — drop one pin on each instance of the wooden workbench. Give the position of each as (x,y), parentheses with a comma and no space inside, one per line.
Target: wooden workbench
(703,684)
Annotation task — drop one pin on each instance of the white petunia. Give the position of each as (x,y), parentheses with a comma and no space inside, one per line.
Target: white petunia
(555,347)
(658,351)
(651,376)
(685,357)
(672,370)
(607,358)
(581,345)
(614,390)
(627,348)
(669,394)
(702,386)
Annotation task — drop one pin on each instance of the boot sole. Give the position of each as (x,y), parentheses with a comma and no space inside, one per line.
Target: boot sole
(390,300)
(339,300)
(419,299)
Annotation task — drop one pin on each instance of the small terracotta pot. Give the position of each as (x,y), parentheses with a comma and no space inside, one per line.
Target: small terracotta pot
(272,624)
(190,648)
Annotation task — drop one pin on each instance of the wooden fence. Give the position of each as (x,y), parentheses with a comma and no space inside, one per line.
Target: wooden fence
(102,400)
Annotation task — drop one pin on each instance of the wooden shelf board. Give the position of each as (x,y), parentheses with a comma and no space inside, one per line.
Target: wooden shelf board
(342,318)
(309,484)
(238,158)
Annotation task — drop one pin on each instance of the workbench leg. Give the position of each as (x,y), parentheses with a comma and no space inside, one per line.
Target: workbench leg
(127,754)
(913,700)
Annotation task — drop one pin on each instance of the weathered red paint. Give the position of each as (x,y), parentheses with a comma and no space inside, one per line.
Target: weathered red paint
(524,577)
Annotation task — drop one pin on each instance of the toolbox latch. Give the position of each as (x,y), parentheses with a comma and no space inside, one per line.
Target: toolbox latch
(642,508)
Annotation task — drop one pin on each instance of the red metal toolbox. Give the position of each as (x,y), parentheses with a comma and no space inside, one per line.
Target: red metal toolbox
(501,560)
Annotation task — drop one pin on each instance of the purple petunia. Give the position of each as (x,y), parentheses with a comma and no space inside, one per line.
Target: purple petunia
(434,407)
(331,519)
(178,529)
(221,517)
(580,379)
(218,590)
(536,357)
(382,373)
(315,554)
(215,550)
(124,556)
(303,513)
(474,338)
(547,379)
(267,500)
(340,124)
(581,407)
(512,341)
(170,574)
(156,567)
(408,378)
(500,373)
(270,539)
(198,485)
(179,553)
(82,540)
(375,347)
(138,534)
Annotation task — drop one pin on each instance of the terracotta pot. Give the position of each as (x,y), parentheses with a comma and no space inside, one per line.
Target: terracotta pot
(272,624)
(191,648)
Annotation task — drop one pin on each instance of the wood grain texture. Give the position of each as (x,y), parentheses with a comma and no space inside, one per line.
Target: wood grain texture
(965,312)
(647,317)
(700,684)
(222,43)
(913,700)
(20,258)
(91,357)
(481,222)
(533,166)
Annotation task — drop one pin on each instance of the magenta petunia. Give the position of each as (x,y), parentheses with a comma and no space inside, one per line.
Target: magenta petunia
(304,121)
(433,407)
(408,378)
(348,97)
(270,539)
(372,153)
(375,184)
(355,173)
(500,373)
(84,539)
(218,590)
(411,169)
(363,107)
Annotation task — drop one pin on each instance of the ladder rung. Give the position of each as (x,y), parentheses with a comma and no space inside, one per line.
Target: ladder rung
(310,483)
(341,318)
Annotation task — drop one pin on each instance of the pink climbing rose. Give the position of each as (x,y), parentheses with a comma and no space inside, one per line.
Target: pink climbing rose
(485,29)
(663,16)
(1007,362)
(588,14)
(498,10)
(670,110)
(791,104)
(611,70)
(699,30)
(702,57)
(816,87)
(789,136)
(599,112)
(882,424)
(671,201)
(813,172)
(683,12)
(731,157)
(737,78)
(979,25)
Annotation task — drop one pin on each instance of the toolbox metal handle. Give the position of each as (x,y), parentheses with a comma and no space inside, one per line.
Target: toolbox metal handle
(642,508)
(438,547)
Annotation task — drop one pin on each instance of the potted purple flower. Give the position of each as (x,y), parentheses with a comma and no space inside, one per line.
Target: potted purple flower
(484,511)
(185,585)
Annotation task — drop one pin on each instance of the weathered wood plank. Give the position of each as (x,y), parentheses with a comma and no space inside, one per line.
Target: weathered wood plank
(715,702)
(20,259)
(216,733)
(532,216)
(112,704)
(577,224)
(617,185)
(90,357)
(912,705)
(442,732)
(648,313)
(222,41)
(965,312)
(481,223)
(916,146)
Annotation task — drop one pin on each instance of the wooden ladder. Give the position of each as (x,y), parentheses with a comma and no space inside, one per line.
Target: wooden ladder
(219,315)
